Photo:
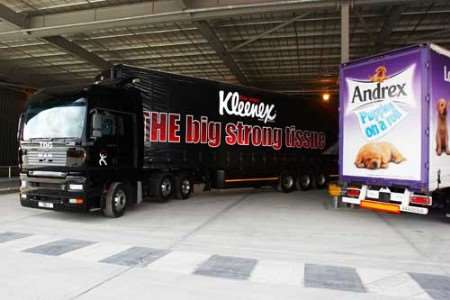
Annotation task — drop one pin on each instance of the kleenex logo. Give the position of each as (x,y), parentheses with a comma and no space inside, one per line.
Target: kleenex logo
(233,104)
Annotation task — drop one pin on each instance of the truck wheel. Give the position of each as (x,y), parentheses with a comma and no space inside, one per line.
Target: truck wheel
(184,187)
(163,187)
(321,181)
(115,200)
(304,182)
(287,182)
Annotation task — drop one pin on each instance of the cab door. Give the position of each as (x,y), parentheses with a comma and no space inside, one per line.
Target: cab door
(115,140)
(126,140)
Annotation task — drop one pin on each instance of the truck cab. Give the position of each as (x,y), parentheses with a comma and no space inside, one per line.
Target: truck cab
(75,143)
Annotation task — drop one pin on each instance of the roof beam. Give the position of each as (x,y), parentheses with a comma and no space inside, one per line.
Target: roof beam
(12,71)
(215,43)
(393,15)
(15,73)
(76,50)
(165,11)
(182,4)
(345,31)
(22,22)
(368,31)
(269,31)
(426,37)
(19,21)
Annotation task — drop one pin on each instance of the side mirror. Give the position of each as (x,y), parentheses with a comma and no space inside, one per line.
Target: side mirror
(96,125)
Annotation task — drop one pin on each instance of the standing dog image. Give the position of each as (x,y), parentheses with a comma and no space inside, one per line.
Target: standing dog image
(442,130)
(378,155)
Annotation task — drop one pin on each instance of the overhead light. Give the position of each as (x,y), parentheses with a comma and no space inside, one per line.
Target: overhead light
(326,97)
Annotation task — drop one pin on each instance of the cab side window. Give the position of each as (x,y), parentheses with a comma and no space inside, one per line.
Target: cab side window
(108,125)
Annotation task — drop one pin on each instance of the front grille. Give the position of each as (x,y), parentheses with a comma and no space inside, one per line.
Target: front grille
(47,185)
(45,198)
(52,158)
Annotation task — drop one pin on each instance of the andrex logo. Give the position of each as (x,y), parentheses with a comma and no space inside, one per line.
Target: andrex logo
(380,91)
(381,87)
(232,104)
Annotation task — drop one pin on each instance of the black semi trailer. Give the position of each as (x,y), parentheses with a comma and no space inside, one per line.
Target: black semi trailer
(139,133)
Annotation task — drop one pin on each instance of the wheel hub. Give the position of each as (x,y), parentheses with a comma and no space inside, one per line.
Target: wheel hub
(185,187)
(321,180)
(288,181)
(166,187)
(305,180)
(120,200)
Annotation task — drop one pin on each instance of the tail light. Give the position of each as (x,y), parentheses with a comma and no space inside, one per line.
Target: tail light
(421,200)
(353,192)
(76,153)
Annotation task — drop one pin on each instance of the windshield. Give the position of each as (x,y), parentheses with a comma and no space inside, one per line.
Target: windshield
(55,119)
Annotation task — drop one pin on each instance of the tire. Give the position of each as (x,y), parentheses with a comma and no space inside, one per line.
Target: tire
(304,182)
(287,182)
(163,187)
(321,181)
(183,186)
(116,200)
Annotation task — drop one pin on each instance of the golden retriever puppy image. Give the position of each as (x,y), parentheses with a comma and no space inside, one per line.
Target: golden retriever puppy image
(442,131)
(378,155)
(380,74)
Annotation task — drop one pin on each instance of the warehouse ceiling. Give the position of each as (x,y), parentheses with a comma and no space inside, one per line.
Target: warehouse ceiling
(290,46)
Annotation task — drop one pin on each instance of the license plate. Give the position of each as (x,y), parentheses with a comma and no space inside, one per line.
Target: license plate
(45,204)
(415,209)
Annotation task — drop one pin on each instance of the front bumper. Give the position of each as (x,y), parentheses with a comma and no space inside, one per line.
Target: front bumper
(53,193)
(44,200)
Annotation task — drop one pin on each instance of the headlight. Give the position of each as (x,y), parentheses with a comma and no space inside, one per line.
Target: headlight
(23,196)
(76,153)
(76,187)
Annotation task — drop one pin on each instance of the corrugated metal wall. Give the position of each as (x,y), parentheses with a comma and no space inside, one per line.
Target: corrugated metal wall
(11,105)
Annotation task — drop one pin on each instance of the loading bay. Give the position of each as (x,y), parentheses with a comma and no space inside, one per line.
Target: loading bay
(240,244)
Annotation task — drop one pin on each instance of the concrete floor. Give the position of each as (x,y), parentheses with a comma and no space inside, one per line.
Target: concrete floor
(246,244)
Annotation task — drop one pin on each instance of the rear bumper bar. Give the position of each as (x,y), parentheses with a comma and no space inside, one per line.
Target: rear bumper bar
(402,208)
(385,200)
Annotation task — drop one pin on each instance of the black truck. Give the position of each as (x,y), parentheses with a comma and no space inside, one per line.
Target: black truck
(136,134)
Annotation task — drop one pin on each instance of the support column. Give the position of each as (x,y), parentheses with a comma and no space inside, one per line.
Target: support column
(345,31)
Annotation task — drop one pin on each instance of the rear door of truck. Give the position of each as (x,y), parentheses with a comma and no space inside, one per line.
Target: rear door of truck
(383,120)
